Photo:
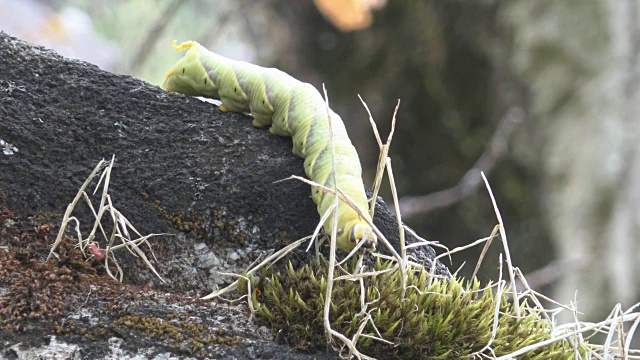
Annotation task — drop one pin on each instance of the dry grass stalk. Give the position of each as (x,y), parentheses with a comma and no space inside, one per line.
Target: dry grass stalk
(122,228)
(270,260)
(503,236)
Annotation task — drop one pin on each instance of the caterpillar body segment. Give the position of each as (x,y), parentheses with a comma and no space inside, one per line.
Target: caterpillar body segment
(292,108)
(198,82)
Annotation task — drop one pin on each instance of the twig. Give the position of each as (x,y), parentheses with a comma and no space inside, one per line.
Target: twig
(485,248)
(493,153)
(461,248)
(334,228)
(556,269)
(632,330)
(216,28)
(152,35)
(614,322)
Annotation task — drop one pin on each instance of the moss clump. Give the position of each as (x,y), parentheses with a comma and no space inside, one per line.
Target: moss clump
(203,224)
(47,217)
(35,289)
(188,222)
(440,320)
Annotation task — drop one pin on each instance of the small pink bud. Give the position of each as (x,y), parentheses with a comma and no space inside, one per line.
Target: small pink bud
(98,253)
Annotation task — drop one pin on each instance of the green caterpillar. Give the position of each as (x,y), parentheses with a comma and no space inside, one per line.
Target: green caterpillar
(292,108)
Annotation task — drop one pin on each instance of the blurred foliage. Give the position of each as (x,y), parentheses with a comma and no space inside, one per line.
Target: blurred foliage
(130,23)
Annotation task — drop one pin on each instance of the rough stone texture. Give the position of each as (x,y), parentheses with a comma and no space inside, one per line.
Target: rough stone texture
(180,165)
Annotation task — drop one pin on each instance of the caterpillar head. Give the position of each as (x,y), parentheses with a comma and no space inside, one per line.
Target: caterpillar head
(362,232)
(189,76)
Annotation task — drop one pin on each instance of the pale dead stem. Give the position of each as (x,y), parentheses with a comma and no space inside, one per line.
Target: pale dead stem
(121,226)
(627,344)
(333,240)
(384,161)
(586,327)
(496,314)
(270,260)
(503,236)
(338,194)
(612,326)
(67,214)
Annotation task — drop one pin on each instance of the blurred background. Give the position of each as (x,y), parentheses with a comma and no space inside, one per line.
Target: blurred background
(540,95)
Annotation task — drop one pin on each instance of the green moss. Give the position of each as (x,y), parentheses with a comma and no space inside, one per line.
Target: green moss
(438,320)
(188,222)
(47,217)
(202,224)
(178,331)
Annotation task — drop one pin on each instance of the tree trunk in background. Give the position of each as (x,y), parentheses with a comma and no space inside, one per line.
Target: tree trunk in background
(581,60)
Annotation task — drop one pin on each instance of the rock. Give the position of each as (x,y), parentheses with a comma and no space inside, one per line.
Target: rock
(183,168)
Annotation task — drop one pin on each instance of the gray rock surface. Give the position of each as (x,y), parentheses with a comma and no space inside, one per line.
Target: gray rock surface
(182,167)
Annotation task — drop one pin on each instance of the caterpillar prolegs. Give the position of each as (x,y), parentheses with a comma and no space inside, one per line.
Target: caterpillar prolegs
(292,108)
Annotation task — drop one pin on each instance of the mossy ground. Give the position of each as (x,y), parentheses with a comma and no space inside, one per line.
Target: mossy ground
(438,320)
(72,298)
(435,320)
(202,223)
